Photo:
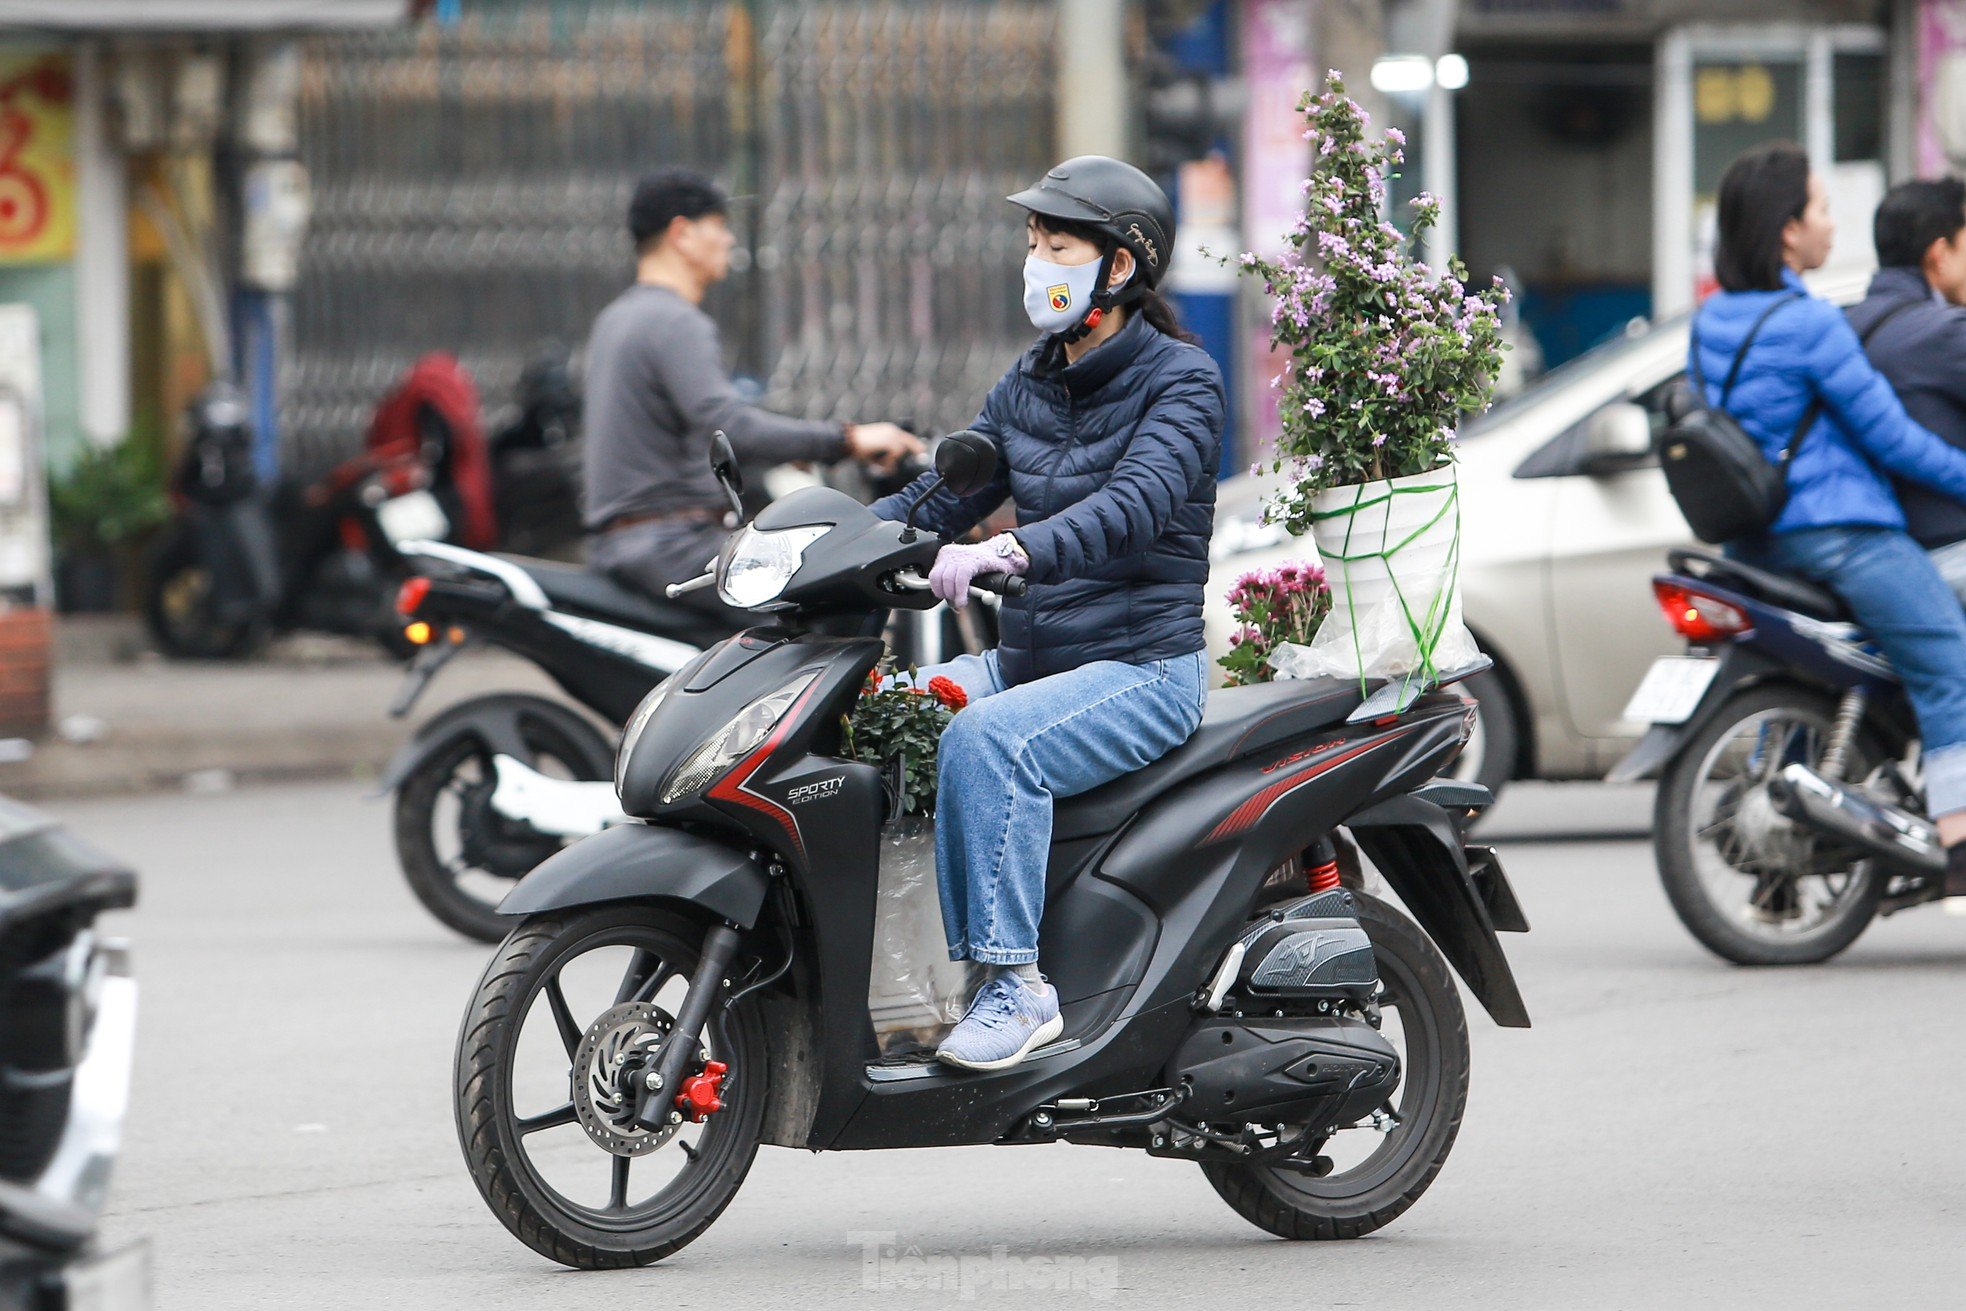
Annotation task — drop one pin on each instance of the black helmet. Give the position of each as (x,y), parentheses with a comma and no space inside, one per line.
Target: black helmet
(1117,199)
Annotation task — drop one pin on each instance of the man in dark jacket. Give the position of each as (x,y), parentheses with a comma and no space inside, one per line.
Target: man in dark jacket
(1915,326)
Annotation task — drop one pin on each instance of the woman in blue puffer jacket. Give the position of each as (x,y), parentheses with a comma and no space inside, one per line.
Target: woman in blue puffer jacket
(1842,525)
(1108,433)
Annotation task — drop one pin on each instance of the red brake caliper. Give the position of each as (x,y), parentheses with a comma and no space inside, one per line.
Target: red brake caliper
(698,1100)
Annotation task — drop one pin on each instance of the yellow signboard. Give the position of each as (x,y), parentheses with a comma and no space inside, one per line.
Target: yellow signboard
(37,163)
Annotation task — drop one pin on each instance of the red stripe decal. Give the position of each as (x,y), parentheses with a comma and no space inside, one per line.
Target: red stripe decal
(1244,817)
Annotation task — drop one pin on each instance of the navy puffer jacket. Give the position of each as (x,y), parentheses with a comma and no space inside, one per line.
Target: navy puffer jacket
(1111,463)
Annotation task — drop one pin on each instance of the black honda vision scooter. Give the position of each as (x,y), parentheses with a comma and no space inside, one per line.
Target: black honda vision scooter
(679,990)
(498,782)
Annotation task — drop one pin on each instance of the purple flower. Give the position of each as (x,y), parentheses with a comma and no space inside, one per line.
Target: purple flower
(1395,136)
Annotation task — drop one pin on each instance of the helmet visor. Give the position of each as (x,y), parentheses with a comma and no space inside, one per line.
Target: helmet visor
(1055,203)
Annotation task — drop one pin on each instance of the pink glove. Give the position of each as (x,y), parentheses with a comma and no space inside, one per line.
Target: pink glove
(957,565)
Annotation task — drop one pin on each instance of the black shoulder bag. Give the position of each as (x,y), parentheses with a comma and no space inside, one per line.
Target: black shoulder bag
(1725,486)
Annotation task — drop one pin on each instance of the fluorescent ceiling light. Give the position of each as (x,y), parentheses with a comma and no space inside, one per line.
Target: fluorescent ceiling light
(1396,73)
(1451,71)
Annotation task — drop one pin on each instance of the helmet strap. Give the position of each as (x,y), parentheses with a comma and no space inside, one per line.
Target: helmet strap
(1104,300)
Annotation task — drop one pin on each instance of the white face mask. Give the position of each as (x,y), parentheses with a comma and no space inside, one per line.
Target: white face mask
(1058,296)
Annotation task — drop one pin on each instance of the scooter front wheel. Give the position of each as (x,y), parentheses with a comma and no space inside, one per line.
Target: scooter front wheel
(571,1013)
(186,616)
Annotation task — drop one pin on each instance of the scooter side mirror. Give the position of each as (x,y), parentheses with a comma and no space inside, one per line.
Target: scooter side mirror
(966,462)
(723,463)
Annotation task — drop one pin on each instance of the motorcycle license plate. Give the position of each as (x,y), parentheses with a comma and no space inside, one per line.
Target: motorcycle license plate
(412,517)
(1672,689)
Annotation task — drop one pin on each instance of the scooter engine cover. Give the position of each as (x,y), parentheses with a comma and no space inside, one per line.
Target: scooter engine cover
(1319,1071)
(1313,949)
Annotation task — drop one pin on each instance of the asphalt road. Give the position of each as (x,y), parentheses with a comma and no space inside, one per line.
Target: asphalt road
(1672,1132)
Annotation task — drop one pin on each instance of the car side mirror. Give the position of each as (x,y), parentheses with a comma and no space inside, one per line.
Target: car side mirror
(966,462)
(1616,437)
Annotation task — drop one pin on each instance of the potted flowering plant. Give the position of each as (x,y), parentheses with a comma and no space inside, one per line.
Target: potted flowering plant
(914,990)
(896,725)
(1385,354)
(1272,607)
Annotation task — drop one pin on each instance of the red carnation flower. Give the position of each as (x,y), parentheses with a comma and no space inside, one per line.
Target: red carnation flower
(949,692)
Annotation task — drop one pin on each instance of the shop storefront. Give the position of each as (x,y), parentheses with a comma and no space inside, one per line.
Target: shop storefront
(1591,136)
(134,261)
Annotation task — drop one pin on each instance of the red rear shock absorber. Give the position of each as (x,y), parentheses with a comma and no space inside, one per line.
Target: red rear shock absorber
(1321,865)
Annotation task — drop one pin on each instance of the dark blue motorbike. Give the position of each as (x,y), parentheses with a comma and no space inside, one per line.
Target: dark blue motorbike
(1790,809)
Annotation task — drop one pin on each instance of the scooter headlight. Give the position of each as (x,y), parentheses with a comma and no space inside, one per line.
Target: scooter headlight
(638,721)
(735,740)
(762,562)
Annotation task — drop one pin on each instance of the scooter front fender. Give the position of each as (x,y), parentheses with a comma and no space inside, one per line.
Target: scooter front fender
(643,862)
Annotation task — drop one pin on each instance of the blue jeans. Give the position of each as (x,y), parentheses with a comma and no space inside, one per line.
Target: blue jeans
(1950,561)
(1011,753)
(1896,593)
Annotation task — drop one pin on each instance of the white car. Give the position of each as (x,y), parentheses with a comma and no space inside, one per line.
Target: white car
(1565,518)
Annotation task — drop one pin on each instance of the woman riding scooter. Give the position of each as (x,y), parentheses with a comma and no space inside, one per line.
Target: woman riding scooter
(1841,525)
(1108,432)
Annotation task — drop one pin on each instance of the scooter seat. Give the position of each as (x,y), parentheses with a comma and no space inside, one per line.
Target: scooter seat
(1776,589)
(587,592)
(1237,722)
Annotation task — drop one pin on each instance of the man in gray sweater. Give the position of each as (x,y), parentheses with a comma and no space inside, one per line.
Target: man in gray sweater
(656,390)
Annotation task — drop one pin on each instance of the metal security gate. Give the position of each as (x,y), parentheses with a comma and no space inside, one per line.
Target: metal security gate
(892,134)
(470,186)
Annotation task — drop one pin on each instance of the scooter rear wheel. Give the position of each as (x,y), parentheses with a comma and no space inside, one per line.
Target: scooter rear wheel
(547,1073)
(1376,1181)
(459,856)
(1750,886)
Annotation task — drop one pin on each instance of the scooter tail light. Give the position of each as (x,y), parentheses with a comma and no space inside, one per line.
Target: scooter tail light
(409,597)
(1698,617)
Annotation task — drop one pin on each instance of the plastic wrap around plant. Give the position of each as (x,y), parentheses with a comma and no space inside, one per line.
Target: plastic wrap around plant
(914,992)
(1391,550)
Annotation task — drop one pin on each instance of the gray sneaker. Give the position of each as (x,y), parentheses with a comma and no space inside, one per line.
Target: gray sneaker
(1007,1022)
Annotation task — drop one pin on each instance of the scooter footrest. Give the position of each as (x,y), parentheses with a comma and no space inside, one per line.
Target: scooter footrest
(926,1066)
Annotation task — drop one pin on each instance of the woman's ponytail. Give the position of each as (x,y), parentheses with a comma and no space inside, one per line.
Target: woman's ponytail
(1159,312)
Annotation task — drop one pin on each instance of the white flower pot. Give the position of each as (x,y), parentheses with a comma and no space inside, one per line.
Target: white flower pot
(1391,553)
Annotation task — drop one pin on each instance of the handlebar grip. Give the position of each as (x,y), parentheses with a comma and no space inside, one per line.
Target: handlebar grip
(1001,584)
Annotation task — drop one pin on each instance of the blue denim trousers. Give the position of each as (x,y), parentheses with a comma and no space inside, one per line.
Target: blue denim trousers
(1005,758)
(1896,593)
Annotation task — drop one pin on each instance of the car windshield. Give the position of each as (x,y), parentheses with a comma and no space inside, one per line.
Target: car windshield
(1605,353)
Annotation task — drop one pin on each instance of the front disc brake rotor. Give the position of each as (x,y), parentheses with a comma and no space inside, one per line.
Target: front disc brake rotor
(614,1053)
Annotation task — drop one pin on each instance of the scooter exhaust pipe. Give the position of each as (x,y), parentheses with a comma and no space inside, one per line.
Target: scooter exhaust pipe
(1848,815)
